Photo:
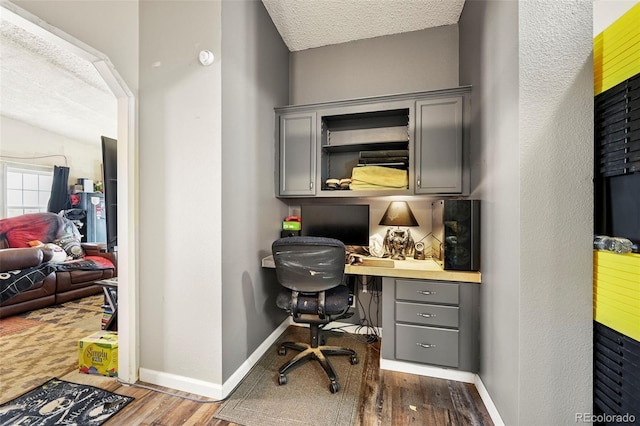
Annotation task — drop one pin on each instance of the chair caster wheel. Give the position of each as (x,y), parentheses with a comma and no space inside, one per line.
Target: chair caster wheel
(354,360)
(334,387)
(282,379)
(282,350)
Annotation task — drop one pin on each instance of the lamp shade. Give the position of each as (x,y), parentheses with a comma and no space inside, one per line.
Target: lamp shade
(398,214)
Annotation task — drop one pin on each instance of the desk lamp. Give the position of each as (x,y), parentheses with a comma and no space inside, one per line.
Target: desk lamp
(398,242)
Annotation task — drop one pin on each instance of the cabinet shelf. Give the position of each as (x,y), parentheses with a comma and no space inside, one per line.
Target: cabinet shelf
(366,146)
(371,135)
(329,140)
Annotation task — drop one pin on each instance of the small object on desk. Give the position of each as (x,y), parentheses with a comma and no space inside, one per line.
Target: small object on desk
(398,242)
(382,263)
(290,226)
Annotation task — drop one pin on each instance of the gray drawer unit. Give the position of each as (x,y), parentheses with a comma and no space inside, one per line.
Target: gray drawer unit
(427,291)
(424,314)
(431,322)
(427,345)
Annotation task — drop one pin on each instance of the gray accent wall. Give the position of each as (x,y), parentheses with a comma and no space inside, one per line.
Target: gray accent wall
(531,68)
(255,76)
(407,62)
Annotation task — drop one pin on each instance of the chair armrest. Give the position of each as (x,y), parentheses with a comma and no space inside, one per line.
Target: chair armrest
(20,258)
(99,249)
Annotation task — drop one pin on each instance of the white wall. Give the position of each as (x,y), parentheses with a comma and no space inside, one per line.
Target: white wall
(20,139)
(531,66)
(556,203)
(606,12)
(180,194)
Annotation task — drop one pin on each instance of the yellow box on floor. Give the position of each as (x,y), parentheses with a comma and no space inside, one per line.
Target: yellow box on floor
(98,354)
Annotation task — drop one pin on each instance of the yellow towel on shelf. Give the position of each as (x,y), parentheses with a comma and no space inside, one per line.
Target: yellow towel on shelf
(371,177)
(366,186)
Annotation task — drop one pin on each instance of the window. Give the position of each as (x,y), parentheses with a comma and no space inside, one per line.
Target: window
(25,189)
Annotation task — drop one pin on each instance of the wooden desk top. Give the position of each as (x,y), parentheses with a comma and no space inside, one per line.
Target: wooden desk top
(410,268)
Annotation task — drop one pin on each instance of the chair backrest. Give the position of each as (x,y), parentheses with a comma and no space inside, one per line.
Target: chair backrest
(309,264)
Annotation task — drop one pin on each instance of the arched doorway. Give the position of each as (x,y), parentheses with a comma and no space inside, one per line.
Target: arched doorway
(126,135)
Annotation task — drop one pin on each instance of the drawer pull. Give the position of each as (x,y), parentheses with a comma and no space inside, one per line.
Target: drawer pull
(426,315)
(425,345)
(426,293)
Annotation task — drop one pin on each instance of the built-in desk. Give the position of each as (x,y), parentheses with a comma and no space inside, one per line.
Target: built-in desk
(430,317)
(421,269)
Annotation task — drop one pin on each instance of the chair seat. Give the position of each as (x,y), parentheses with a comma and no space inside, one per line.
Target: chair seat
(336,301)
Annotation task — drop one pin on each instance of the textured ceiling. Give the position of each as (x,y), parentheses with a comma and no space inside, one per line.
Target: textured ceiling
(50,88)
(304,24)
(53,89)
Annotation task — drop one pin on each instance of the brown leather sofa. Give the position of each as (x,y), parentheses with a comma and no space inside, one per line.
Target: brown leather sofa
(58,286)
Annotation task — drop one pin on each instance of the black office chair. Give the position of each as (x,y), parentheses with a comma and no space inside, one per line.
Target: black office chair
(311,269)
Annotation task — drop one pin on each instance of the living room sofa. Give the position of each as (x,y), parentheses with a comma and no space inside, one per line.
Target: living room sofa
(30,276)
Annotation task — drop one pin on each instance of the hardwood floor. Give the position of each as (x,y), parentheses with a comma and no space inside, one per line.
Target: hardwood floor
(386,398)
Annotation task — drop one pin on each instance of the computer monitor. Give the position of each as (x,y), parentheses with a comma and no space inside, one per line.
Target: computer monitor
(348,223)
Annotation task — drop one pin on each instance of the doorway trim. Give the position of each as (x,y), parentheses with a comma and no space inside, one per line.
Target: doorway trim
(128,363)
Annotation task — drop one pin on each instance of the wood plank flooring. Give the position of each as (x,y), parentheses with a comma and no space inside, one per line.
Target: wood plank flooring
(386,399)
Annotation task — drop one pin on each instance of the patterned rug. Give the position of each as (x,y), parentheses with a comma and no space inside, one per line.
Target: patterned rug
(42,344)
(60,402)
(13,324)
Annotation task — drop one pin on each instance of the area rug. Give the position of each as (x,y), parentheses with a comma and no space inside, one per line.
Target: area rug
(306,398)
(44,343)
(59,402)
(14,324)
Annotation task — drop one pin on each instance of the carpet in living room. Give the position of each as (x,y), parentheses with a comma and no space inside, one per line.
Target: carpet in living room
(42,344)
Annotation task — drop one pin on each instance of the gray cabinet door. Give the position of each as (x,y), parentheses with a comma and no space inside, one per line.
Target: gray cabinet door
(439,144)
(297,147)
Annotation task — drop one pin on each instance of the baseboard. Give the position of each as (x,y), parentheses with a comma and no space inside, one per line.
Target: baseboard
(427,370)
(488,402)
(242,371)
(208,389)
(181,383)
(444,373)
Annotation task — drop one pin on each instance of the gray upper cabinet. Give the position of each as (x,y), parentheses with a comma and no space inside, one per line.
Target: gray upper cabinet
(297,152)
(439,144)
(424,133)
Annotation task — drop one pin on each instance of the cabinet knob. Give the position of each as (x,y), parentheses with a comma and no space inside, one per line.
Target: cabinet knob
(310,185)
(426,315)
(425,345)
(426,293)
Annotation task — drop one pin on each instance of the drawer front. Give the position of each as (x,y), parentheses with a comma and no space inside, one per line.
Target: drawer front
(427,291)
(427,345)
(419,313)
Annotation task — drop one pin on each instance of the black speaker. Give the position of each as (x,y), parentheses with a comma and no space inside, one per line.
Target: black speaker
(456,226)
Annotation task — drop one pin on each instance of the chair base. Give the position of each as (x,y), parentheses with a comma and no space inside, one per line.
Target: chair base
(314,352)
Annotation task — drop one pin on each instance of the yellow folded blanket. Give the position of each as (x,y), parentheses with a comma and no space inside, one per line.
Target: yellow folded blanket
(379,176)
(366,186)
